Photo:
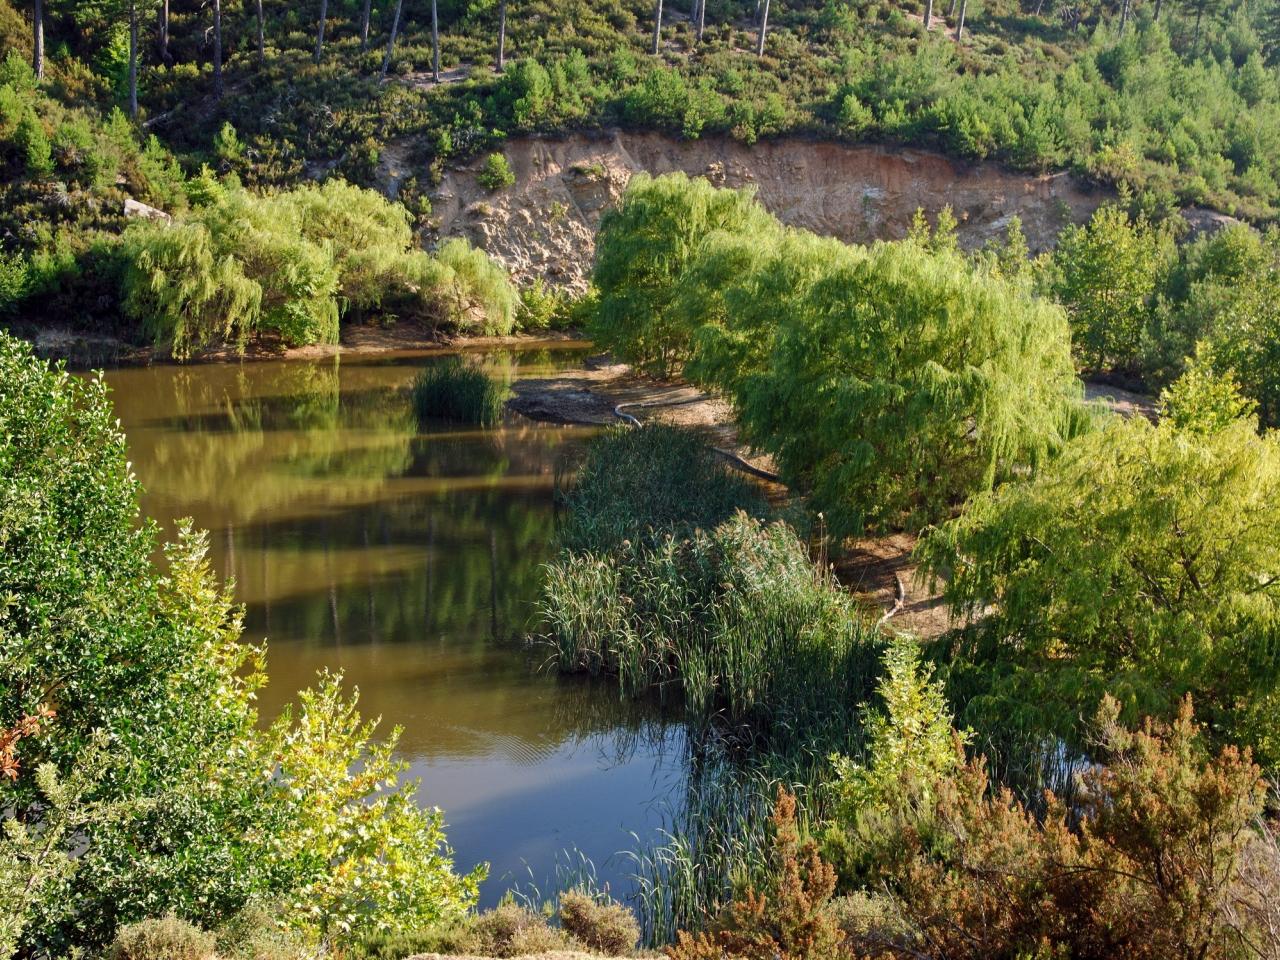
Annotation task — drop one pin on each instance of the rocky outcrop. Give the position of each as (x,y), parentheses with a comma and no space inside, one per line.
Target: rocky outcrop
(544,225)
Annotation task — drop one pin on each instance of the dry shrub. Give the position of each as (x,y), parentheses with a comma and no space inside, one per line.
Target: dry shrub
(1159,860)
(792,920)
(607,928)
(166,938)
(511,930)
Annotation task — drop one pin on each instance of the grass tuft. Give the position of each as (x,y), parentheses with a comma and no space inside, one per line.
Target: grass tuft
(453,390)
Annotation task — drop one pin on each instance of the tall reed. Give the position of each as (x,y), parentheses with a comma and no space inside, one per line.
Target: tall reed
(454,390)
(737,620)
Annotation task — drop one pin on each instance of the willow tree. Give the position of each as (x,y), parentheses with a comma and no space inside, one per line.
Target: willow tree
(888,382)
(643,248)
(1143,563)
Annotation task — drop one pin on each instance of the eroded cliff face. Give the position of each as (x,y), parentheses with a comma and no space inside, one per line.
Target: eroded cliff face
(544,225)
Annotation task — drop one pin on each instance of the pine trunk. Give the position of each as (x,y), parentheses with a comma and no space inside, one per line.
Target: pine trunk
(502,35)
(964,5)
(37,48)
(262,33)
(657,26)
(702,18)
(364,24)
(162,33)
(217,49)
(1156,16)
(928,13)
(764,28)
(1124,15)
(133,59)
(391,40)
(435,41)
(324,14)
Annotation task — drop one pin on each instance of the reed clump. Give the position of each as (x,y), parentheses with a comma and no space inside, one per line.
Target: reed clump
(738,620)
(456,391)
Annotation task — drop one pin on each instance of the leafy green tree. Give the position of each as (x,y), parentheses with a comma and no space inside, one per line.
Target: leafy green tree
(1141,563)
(643,247)
(1106,276)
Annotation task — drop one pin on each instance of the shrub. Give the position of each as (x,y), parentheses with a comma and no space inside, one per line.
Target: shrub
(607,928)
(1140,564)
(658,478)
(793,918)
(453,390)
(511,930)
(496,173)
(165,939)
(1148,864)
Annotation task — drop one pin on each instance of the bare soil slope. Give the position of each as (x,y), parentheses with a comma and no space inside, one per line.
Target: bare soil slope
(544,225)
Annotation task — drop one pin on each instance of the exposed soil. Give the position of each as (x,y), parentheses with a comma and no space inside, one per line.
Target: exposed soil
(544,224)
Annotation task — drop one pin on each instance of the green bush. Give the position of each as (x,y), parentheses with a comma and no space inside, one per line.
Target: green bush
(496,173)
(455,390)
(643,248)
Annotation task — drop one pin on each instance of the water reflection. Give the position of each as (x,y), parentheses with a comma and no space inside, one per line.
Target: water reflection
(407,558)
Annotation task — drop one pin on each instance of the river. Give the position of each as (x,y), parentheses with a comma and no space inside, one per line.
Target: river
(409,558)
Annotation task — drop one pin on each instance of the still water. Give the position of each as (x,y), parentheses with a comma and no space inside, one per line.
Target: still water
(408,558)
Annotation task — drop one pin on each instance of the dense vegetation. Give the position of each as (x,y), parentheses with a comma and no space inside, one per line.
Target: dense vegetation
(888,382)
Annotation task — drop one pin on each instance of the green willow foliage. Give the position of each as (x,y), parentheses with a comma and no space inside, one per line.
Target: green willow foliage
(1140,564)
(889,382)
(644,246)
(287,264)
(152,786)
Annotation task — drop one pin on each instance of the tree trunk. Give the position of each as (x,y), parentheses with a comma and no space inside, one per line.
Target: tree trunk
(1155,18)
(162,33)
(951,9)
(435,41)
(324,13)
(1039,6)
(928,13)
(1195,42)
(391,40)
(133,59)
(262,33)
(502,35)
(657,25)
(37,48)
(702,18)
(1124,15)
(364,24)
(217,49)
(964,5)
(764,27)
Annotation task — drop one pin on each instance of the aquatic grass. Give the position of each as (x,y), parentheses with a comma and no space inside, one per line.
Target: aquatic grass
(454,390)
(738,621)
(658,477)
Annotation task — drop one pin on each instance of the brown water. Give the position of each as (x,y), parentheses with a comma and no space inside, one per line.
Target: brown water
(408,558)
